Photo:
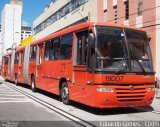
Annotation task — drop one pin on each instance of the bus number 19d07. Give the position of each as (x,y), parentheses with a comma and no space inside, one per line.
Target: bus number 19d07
(114,78)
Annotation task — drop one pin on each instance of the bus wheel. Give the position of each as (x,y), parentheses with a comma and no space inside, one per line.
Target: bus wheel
(65,94)
(16,79)
(33,85)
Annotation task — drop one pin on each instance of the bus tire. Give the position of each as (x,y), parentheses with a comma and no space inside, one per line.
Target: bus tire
(16,80)
(65,93)
(33,84)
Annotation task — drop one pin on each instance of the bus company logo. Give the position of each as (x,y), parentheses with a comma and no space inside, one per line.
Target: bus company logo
(131,87)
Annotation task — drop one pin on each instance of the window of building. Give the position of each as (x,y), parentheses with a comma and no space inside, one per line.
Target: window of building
(126,9)
(140,4)
(82,46)
(33,53)
(53,17)
(115,13)
(67,9)
(75,4)
(16,60)
(28,32)
(66,47)
(59,14)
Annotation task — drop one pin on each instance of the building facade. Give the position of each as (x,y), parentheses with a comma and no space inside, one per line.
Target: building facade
(26,32)
(63,13)
(11,25)
(140,13)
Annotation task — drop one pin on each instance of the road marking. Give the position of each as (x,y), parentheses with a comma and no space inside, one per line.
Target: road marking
(15,93)
(8,95)
(54,108)
(8,92)
(3,95)
(157,112)
(11,101)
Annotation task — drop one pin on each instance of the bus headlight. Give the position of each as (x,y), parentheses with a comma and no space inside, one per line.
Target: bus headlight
(105,89)
(151,89)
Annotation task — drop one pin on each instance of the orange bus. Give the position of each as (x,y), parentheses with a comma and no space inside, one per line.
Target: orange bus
(6,66)
(101,65)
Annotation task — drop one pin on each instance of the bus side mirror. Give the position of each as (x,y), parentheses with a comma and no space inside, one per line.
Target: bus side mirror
(91,40)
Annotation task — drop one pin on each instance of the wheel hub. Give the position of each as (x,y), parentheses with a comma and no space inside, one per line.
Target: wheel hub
(65,92)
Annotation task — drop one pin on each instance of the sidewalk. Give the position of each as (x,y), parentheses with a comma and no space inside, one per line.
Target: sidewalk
(157,93)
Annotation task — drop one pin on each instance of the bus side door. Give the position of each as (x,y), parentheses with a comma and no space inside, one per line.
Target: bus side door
(79,66)
(20,67)
(41,67)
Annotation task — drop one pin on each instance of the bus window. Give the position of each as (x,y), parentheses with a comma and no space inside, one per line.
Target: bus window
(16,60)
(40,47)
(55,49)
(6,60)
(33,53)
(82,46)
(48,46)
(66,47)
(52,49)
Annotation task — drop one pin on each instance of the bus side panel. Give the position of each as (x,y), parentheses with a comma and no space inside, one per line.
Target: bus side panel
(20,75)
(42,76)
(8,70)
(31,70)
(55,70)
(3,67)
(4,71)
(61,69)
(15,70)
(83,90)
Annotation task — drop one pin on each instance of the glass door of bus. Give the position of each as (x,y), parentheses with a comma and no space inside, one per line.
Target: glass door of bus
(20,67)
(80,65)
(40,67)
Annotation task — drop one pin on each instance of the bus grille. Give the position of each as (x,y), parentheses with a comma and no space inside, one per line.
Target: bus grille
(129,93)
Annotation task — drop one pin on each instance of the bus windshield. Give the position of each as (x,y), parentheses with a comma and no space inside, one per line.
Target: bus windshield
(122,50)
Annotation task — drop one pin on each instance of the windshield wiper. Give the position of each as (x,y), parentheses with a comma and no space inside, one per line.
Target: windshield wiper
(119,69)
(121,65)
(144,72)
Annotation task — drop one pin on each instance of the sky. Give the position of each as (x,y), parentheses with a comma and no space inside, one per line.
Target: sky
(31,9)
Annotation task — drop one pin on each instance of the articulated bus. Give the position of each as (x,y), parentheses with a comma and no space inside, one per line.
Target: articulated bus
(101,65)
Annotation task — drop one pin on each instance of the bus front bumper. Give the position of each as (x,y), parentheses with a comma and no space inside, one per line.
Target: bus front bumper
(106,97)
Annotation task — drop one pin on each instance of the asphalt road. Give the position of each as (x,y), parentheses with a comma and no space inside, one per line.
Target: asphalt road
(15,106)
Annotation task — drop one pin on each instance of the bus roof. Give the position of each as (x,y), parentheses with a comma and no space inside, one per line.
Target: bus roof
(82,26)
(75,28)
(19,48)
